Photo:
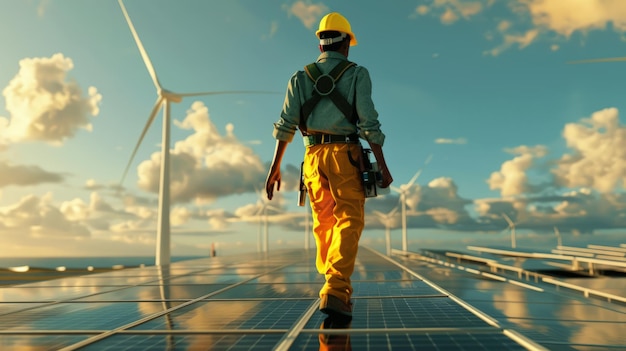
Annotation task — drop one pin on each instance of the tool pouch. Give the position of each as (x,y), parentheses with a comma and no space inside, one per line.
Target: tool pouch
(369,173)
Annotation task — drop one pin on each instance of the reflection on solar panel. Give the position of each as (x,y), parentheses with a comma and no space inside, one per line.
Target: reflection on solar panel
(229,303)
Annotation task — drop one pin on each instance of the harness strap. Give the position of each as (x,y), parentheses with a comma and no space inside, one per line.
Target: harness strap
(339,100)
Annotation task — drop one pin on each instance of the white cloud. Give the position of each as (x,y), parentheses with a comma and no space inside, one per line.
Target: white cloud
(459,141)
(450,11)
(598,159)
(512,179)
(218,219)
(38,216)
(534,20)
(44,105)
(567,17)
(205,165)
(308,13)
(180,216)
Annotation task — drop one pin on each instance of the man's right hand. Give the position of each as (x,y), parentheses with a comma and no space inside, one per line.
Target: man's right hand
(272,178)
(382,165)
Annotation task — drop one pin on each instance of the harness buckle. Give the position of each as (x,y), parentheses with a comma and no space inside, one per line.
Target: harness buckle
(324,84)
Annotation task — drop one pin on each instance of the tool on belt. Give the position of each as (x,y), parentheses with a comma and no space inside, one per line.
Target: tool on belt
(370,175)
(302,192)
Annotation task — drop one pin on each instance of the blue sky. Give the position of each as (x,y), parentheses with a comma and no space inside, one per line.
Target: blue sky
(481,89)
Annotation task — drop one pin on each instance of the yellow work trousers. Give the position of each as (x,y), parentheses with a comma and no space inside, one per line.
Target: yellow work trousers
(337,202)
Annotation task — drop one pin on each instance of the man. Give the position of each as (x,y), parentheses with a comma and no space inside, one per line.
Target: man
(332,115)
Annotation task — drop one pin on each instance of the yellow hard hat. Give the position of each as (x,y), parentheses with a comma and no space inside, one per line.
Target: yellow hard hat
(336,22)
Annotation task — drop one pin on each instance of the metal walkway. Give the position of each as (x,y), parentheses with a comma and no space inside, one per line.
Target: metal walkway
(244,303)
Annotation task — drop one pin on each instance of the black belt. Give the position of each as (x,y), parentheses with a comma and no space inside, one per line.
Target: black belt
(316,139)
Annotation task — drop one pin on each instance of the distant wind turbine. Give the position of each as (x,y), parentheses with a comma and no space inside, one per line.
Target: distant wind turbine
(264,206)
(512,228)
(403,190)
(388,220)
(559,240)
(164,98)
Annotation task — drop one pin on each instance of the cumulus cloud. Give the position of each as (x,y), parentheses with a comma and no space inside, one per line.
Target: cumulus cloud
(567,17)
(307,12)
(540,19)
(598,158)
(26,175)
(450,11)
(205,165)
(512,179)
(434,205)
(532,20)
(38,217)
(579,211)
(44,105)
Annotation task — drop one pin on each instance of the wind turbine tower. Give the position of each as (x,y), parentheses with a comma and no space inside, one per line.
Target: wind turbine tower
(388,221)
(403,190)
(512,228)
(163,101)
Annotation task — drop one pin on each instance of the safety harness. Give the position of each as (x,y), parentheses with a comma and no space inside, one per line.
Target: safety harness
(324,86)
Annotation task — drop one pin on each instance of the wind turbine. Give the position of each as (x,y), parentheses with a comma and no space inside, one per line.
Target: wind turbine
(164,99)
(264,205)
(388,221)
(403,190)
(559,240)
(511,227)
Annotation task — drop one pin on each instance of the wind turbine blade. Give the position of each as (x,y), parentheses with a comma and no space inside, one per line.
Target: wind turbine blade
(396,189)
(155,109)
(227,92)
(611,59)
(378,213)
(508,220)
(143,52)
(430,157)
(410,183)
(275,209)
(393,212)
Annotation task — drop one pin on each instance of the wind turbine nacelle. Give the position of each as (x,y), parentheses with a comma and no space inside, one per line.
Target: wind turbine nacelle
(171,96)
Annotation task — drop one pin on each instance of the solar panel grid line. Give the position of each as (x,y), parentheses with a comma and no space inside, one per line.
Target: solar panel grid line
(522,340)
(391,297)
(285,343)
(52,332)
(212,299)
(518,337)
(408,330)
(151,317)
(467,306)
(202,331)
(81,297)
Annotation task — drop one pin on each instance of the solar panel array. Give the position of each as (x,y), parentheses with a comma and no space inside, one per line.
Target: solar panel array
(256,302)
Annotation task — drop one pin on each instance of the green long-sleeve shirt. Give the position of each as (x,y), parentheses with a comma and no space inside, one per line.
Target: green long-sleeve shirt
(326,117)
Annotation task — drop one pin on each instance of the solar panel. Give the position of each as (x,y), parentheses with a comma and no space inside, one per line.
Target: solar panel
(267,302)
